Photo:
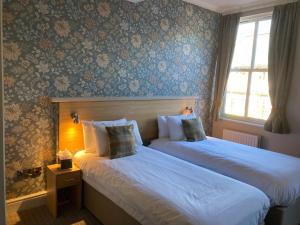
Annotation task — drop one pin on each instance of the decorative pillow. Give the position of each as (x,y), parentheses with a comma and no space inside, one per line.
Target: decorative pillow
(193,130)
(136,132)
(163,131)
(175,126)
(121,141)
(89,136)
(101,137)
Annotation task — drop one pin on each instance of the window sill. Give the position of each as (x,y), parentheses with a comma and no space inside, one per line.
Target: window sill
(244,122)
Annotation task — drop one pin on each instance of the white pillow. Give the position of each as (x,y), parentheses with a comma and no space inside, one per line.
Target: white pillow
(101,136)
(89,136)
(138,139)
(163,131)
(175,126)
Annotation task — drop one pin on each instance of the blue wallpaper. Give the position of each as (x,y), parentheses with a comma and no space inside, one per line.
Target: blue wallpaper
(96,48)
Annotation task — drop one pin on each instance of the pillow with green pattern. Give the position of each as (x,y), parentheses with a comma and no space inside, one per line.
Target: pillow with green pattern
(121,141)
(193,130)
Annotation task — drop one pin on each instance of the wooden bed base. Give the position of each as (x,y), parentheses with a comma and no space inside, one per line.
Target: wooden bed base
(284,215)
(106,211)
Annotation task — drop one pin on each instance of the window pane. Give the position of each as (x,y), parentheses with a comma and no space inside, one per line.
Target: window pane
(243,47)
(262,45)
(236,93)
(259,101)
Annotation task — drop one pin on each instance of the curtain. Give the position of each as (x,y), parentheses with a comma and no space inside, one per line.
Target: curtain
(283,40)
(228,33)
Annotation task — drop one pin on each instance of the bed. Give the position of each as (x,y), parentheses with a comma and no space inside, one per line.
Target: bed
(123,206)
(277,175)
(154,188)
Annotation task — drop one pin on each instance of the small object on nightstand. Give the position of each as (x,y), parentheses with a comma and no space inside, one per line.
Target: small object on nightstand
(65,164)
(65,159)
(146,142)
(63,186)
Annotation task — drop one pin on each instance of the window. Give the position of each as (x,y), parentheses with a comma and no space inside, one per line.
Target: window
(247,92)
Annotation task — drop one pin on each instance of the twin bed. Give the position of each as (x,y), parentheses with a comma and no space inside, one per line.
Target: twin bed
(155,188)
(152,187)
(277,175)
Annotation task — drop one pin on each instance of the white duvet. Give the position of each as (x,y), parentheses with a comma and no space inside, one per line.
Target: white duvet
(277,175)
(155,188)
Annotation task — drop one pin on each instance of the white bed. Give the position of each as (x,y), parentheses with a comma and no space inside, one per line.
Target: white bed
(155,188)
(277,175)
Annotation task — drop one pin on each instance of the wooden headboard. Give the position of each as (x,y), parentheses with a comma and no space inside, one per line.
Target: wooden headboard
(143,110)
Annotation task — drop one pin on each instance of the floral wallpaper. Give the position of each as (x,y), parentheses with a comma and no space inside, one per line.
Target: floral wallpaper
(66,48)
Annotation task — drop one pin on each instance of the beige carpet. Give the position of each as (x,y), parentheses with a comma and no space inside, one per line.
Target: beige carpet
(41,216)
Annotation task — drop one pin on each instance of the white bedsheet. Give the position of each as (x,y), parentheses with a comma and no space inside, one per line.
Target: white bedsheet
(155,188)
(277,175)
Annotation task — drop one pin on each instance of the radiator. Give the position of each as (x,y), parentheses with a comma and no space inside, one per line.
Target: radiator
(242,138)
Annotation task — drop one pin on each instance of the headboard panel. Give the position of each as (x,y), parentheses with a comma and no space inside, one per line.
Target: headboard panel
(143,110)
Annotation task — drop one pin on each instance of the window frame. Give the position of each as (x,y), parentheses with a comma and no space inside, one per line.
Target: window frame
(248,19)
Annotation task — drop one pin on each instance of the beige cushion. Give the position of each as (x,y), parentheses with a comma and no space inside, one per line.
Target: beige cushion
(101,136)
(121,141)
(175,126)
(89,137)
(193,130)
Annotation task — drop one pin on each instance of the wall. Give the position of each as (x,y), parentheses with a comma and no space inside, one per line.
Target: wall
(2,154)
(288,143)
(71,48)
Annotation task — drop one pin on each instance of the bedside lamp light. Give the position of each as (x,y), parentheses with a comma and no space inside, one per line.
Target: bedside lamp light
(75,118)
(188,111)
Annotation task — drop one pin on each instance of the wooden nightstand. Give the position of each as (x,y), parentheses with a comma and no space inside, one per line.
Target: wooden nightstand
(63,186)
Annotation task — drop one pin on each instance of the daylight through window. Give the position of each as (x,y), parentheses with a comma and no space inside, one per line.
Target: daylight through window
(247,92)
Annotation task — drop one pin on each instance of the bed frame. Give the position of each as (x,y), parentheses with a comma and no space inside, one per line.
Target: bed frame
(144,110)
(284,215)
(104,209)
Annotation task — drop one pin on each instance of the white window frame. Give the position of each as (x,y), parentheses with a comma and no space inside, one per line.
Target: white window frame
(248,19)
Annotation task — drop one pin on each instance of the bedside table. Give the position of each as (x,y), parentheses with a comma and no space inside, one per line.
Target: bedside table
(63,186)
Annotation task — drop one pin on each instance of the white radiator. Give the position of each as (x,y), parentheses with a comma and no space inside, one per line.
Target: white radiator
(242,138)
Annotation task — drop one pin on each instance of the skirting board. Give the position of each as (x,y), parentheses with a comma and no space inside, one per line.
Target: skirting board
(26,202)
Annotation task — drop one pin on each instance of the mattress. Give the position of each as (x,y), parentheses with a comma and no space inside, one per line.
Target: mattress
(277,175)
(155,188)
